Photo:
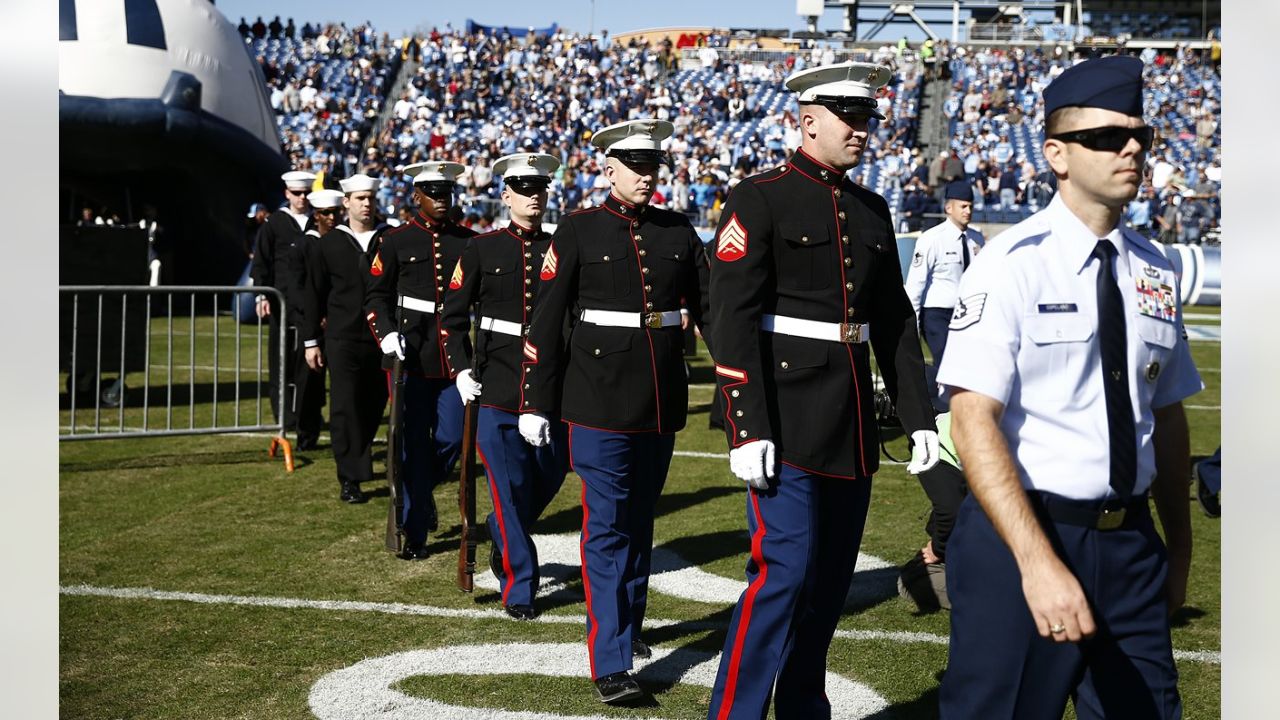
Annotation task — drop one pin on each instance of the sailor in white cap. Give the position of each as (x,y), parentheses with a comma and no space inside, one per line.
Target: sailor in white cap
(498,276)
(278,259)
(326,210)
(334,330)
(623,272)
(805,283)
(408,278)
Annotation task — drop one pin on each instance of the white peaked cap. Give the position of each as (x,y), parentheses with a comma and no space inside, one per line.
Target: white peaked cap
(433,171)
(526,165)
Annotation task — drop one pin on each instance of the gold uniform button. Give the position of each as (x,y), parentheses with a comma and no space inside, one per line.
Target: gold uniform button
(441,267)
(850,312)
(648,288)
(735,393)
(738,413)
(528,255)
(844,239)
(642,252)
(804,238)
(639,237)
(840,214)
(528,267)
(848,262)
(526,386)
(848,286)
(528,295)
(528,281)
(644,270)
(606,257)
(648,306)
(596,351)
(785,364)
(528,308)
(837,192)
(742,433)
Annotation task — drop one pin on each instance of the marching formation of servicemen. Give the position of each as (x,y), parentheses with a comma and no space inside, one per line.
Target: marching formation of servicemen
(1066,366)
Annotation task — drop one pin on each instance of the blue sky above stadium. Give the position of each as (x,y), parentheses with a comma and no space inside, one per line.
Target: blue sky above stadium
(576,15)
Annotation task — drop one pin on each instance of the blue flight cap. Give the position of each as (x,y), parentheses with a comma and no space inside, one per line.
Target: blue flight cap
(1110,83)
(958,191)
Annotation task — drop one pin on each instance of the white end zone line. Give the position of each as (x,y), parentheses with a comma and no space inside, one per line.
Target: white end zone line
(126,593)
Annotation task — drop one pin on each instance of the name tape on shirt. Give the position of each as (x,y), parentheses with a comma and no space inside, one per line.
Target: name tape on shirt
(455,282)
(1157,300)
(549,262)
(731,244)
(968,311)
(1056,307)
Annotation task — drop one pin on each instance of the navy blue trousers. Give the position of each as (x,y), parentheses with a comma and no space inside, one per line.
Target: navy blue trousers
(622,477)
(1000,667)
(805,532)
(432,443)
(523,480)
(933,326)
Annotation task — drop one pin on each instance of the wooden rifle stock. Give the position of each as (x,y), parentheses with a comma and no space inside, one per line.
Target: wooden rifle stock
(395,483)
(467,499)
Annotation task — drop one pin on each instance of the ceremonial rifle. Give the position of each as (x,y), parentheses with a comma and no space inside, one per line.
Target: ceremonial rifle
(467,493)
(395,483)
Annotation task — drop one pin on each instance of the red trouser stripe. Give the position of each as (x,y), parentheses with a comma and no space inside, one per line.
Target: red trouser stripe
(502,525)
(586,580)
(744,621)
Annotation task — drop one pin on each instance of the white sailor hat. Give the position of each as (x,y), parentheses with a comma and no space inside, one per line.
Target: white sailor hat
(358,183)
(323,199)
(634,140)
(298,179)
(433,171)
(526,168)
(846,88)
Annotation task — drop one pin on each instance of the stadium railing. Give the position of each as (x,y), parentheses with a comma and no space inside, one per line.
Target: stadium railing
(175,336)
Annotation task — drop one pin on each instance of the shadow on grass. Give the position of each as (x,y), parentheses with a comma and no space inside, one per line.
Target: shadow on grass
(240,457)
(924,707)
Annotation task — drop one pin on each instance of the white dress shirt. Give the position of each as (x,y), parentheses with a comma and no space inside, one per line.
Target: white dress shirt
(937,264)
(1025,333)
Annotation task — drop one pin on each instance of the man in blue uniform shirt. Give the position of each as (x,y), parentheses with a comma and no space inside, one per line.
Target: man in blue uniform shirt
(942,254)
(1067,365)
(498,276)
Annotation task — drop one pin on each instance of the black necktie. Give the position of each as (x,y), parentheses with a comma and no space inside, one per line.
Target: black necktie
(964,250)
(1115,374)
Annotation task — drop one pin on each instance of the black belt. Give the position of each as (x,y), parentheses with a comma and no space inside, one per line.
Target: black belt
(1113,514)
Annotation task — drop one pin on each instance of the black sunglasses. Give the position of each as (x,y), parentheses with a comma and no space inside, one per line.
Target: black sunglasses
(331,212)
(1109,139)
(296,192)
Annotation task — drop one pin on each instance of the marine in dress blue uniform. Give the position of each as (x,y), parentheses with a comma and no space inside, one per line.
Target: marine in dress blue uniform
(335,331)
(805,277)
(496,280)
(942,254)
(621,272)
(1067,365)
(279,261)
(409,277)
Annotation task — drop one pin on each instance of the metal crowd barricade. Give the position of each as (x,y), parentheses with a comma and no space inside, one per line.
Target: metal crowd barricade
(155,335)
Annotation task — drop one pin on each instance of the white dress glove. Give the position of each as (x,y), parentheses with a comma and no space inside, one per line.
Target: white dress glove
(924,451)
(535,429)
(754,464)
(393,344)
(468,388)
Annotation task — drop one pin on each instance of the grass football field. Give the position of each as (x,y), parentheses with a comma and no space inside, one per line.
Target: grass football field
(199,579)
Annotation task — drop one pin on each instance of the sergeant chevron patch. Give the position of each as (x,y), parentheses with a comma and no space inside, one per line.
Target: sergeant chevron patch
(549,264)
(530,351)
(376,268)
(968,311)
(455,282)
(731,244)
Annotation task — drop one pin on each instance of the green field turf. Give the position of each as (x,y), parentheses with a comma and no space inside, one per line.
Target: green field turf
(214,516)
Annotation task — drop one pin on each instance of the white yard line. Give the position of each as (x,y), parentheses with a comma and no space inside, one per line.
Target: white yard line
(127,593)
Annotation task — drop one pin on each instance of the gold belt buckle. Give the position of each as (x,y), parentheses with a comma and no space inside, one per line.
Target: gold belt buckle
(851,332)
(653,320)
(1111,519)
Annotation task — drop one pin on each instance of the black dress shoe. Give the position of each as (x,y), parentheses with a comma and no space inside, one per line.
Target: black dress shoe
(416,551)
(306,441)
(351,493)
(619,687)
(495,561)
(520,612)
(640,649)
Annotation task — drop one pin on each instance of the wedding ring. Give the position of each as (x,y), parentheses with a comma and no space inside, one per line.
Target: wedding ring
(1059,628)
